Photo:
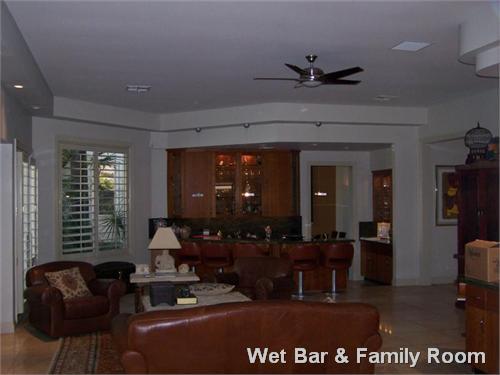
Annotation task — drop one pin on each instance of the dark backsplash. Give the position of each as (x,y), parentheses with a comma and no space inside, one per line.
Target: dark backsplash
(367,229)
(229,226)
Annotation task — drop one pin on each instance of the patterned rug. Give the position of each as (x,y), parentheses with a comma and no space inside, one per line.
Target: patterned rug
(86,354)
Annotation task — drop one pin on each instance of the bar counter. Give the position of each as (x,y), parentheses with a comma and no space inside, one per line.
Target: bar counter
(318,279)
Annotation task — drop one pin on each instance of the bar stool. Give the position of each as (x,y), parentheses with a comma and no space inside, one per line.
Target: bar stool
(189,254)
(250,250)
(216,256)
(304,258)
(337,256)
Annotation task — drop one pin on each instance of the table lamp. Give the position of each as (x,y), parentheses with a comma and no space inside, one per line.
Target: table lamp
(164,239)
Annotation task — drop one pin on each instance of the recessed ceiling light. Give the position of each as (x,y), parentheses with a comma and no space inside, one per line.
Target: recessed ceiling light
(138,88)
(384,98)
(18,86)
(410,46)
(35,107)
(314,144)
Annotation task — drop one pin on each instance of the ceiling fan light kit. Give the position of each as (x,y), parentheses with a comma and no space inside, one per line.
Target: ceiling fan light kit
(313,77)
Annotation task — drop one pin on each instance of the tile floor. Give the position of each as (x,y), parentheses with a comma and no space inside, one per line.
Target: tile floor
(412,317)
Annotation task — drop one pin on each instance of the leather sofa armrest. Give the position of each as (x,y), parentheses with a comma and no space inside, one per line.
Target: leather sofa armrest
(110,288)
(34,293)
(44,294)
(373,344)
(228,278)
(267,288)
(134,363)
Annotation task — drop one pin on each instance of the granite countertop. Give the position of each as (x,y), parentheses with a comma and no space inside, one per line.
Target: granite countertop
(482,283)
(377,239)
(262,241)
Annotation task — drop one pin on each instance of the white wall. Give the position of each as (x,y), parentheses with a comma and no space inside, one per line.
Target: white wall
(381,159)
(454,118)
(361,190)
(46,134)
(344,201)
(442,144)
(14,122)
(6,240)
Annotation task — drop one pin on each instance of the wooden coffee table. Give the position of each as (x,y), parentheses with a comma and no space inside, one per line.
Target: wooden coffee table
(202,301)
(142,281)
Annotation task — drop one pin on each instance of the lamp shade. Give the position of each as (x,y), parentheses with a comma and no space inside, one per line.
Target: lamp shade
(164,238)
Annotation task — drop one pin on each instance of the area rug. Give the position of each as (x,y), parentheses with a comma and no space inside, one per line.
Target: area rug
(86,354)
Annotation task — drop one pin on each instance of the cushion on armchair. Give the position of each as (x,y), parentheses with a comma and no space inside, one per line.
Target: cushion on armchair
(70,282)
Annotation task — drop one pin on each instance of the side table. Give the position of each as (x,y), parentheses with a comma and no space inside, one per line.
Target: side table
(143,280)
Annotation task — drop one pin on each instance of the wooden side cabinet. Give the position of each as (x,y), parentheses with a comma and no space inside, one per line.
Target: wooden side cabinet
(376,261)
(481,321)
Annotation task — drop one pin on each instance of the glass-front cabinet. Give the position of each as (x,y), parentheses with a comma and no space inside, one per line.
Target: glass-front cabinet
(225,184)
(251,184)
(238,185)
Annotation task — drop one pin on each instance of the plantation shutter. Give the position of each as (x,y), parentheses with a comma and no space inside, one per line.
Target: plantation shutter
(30,214)
(94,208)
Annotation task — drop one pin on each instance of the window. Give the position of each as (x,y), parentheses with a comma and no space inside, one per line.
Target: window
(29,214)
(94,199)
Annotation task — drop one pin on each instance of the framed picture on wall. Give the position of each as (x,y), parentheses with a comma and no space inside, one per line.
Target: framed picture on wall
(446,195)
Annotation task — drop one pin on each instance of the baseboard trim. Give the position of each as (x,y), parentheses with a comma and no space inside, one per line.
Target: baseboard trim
(6,327)
(444,280)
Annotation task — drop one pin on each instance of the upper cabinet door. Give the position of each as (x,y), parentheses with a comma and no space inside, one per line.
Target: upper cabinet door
(382,195)
(198,184)
(279,185)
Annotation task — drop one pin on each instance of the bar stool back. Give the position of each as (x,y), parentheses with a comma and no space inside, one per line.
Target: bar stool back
(337,256)
(216,256)
(250,250)
(304,257)
(190,254)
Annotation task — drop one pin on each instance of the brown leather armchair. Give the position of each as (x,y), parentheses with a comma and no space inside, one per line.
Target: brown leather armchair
(260,277)
(214,339)
(57,317)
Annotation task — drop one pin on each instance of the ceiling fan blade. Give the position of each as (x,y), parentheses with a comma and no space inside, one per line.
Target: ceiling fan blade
(341,73)
(296,69)
(275,79)
(340,82)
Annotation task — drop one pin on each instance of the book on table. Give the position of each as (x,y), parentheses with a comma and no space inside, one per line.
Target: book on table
(188,300)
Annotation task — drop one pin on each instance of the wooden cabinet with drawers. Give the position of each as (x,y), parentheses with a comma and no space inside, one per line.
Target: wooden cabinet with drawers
(481,320)
(376,261)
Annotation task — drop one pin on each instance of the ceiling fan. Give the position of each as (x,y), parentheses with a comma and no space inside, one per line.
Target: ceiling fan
(314,77)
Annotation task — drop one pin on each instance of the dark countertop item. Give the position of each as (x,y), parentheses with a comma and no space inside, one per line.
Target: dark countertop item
(480,283)
(377,239)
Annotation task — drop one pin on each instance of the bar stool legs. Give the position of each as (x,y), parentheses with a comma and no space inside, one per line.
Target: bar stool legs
(333,291)
(300,292)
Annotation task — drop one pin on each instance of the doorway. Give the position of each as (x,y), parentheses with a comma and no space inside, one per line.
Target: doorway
(331,201)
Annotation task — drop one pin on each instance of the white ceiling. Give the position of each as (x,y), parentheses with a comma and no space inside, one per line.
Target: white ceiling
(200,55)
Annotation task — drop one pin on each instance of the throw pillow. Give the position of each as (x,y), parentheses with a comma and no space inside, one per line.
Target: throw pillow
(70,282)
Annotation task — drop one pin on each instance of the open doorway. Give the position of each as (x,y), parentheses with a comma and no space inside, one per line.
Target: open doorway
(331,202)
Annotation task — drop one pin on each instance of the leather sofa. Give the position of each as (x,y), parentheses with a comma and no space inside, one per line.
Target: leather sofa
(57,317)
(260,277)
(214,339)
